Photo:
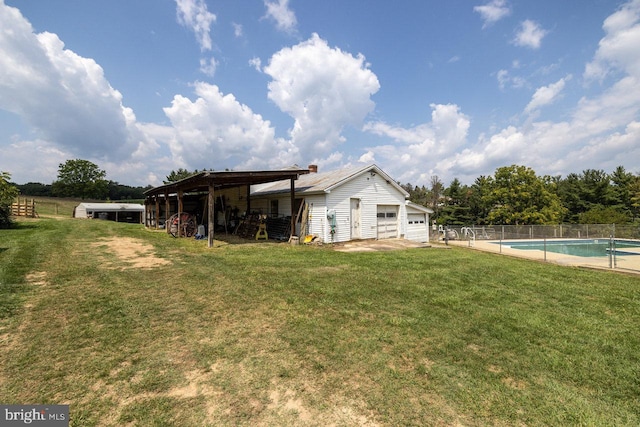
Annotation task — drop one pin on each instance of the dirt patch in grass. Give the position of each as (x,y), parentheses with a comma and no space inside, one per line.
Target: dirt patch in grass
(288,405)
(131,253)
(37,278)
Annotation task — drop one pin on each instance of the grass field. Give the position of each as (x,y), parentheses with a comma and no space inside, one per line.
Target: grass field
(133,327)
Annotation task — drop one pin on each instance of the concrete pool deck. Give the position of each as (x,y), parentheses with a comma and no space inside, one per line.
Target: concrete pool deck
(626,263)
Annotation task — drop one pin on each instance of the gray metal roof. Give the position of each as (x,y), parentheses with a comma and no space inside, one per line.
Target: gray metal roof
(113,207)
(323,182)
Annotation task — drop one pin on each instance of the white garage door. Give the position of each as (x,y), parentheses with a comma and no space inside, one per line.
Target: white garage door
(417,227)
(387,221)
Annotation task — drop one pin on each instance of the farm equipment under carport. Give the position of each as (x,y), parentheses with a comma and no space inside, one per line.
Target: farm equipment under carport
(182,224)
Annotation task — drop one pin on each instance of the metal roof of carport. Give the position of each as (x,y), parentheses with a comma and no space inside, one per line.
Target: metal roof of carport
(225,179)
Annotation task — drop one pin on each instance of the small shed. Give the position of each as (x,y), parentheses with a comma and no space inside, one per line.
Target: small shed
(119,212)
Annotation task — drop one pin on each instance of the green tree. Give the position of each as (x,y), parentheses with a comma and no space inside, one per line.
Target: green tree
(479,208)
(520,197)
(434,196)
(634,190)
(119,191)
(604,215)
(35,189)
(596,189)
(8,194)
(80,178)
(179,174)
(570,191)
(456,210)
(621,181)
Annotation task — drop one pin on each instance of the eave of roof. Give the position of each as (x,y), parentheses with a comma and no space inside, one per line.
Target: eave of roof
(418,207)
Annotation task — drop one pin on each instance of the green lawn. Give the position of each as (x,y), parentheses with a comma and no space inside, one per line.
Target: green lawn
(271,334)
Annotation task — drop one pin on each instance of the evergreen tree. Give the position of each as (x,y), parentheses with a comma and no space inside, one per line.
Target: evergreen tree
(179,174)
(621,181)
(456,210)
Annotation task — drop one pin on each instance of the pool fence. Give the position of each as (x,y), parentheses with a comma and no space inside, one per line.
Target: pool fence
(475,235)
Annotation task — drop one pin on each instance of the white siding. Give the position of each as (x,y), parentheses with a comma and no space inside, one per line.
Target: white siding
(80,211)
(318,217)
(372,190)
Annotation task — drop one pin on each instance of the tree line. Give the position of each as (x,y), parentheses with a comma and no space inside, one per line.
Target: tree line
(84,180)
(517,195)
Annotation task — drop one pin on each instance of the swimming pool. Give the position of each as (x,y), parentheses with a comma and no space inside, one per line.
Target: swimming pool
(582,247)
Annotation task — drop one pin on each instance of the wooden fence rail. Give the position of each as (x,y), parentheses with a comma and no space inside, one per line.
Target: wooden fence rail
(24,208)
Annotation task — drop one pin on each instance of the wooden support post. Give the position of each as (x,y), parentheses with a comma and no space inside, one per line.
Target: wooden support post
(167,214)
(180,207)
(293,203)
(248,200)
(157,212)
(210,215)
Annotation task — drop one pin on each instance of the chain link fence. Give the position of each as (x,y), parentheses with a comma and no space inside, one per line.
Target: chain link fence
(618,246)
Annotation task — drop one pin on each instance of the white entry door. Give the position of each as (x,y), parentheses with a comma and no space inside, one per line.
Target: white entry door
(355,219)
(387,221)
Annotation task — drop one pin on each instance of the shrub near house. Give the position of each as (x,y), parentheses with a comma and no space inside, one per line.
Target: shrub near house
(7,195)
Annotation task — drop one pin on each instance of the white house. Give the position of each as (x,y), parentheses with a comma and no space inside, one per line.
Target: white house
(119,212)
(347,204)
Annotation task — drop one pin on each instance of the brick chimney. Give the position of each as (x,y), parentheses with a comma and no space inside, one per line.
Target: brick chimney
(313,168)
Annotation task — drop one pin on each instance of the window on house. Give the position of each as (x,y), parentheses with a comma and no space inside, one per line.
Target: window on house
(274,208)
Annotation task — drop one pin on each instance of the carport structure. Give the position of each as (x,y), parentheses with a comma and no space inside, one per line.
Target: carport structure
(210,182)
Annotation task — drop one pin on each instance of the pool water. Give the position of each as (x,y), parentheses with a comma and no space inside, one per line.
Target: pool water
(583,248)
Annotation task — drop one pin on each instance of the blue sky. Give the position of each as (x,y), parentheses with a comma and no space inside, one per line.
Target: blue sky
(421,88)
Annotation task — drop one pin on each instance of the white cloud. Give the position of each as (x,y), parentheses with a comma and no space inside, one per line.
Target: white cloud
(256,63)
(546,95)
(278,11)
(194,15)
(237,29)
(530,34)
(323,89)
(446,132)
(493,11)
(216,131)
(63,96)
(505,79)
(421,145)
(208,66)
(603,130)
(368,157)
(18,158)
(619,47)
